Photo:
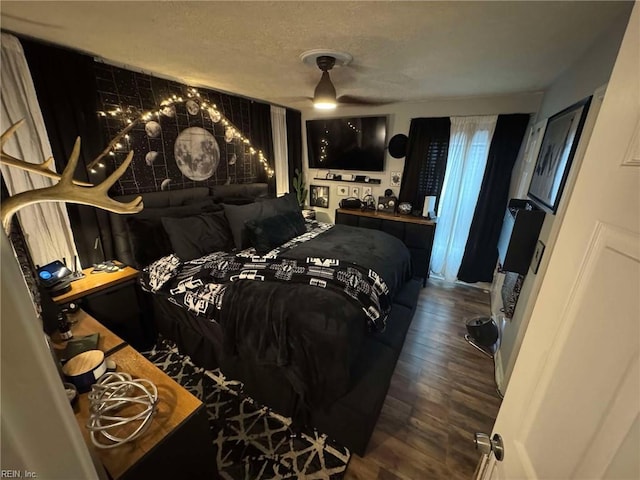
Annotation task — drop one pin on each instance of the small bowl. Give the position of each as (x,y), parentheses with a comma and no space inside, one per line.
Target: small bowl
(404,208)
(71,391)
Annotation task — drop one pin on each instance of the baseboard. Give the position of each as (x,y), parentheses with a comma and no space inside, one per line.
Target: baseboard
(499,373)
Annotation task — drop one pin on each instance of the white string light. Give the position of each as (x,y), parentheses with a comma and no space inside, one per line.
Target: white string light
(131,116)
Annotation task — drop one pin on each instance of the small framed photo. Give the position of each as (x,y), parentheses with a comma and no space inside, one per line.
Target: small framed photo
(396,179)
(319,196)
(343,191)
(367,191)
(355,192)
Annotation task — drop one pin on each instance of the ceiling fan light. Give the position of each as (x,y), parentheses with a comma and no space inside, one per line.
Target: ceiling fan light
(324,96)
(324,105)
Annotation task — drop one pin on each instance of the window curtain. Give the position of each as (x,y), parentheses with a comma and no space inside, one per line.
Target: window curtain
(65,83)
(466,161)
(294,143)
(46,226)
(426,160)
(262,138)
(280,154)
(481,251)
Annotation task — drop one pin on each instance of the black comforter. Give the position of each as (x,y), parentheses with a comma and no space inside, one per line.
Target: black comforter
(312,334)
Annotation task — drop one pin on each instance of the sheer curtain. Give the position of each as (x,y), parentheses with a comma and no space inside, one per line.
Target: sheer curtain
(467,159)
(280,153)
(46,225)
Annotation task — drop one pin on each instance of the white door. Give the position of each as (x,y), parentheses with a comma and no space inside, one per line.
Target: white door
(572,406)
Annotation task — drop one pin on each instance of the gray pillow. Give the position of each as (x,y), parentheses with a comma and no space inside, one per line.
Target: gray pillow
(238,215)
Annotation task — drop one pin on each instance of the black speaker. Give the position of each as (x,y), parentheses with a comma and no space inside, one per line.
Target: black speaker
(351,203)
(483,330)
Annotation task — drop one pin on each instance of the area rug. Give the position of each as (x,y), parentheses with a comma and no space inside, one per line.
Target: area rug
(250,441)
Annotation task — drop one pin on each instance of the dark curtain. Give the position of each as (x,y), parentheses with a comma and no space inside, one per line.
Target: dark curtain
(426,160)
(65,84)
(262,139)
(21,250)
(294,143)
(481,251)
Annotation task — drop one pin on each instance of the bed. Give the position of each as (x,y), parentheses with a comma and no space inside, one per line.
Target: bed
(310,317)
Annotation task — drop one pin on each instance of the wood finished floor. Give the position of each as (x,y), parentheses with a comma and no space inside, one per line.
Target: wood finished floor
(442,392)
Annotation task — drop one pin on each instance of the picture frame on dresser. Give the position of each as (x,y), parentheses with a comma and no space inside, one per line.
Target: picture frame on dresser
(556,153)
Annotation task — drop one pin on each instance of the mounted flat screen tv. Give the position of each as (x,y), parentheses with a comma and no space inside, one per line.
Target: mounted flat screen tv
(350,143)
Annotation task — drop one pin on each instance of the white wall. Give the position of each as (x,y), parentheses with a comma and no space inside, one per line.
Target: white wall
(585,77)
(399,120)
(39,431)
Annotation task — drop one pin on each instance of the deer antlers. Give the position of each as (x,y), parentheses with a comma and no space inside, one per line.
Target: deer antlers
(67,189)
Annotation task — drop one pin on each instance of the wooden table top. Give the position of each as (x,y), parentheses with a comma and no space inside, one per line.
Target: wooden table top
(175,404)
(94,282)
(396,217)
(83,324)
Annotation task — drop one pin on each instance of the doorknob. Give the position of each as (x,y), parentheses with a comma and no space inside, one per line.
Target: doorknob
(486,445)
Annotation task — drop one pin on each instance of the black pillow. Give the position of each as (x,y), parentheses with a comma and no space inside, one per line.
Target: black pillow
(147,237)
(195,236)
(206,205)
(238,215)
(236,200)
(267,233)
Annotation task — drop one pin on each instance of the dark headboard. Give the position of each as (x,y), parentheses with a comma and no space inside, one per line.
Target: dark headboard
(154,202)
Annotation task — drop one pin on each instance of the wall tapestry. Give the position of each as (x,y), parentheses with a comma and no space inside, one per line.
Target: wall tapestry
(183,145)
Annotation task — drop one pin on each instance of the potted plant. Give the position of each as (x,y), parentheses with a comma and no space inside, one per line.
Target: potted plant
(300,187)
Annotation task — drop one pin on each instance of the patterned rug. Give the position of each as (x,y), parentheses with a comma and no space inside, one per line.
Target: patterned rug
(250,441)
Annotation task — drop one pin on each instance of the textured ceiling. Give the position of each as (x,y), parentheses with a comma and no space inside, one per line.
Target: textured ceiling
(403,51)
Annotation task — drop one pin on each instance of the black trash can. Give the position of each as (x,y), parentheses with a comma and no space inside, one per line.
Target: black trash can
(483,331)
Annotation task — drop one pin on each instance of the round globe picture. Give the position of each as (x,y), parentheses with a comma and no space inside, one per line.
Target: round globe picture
(197,153)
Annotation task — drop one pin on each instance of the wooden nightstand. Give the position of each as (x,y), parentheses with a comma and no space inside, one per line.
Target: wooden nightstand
(96,282)
(177,443)
(116,301)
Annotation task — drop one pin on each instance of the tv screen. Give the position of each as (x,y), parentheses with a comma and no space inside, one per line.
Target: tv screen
(351,143)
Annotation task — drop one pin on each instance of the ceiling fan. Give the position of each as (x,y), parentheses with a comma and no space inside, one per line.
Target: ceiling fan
(324,95)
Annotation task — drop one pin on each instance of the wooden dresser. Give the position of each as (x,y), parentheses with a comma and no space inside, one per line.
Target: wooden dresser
(415,232)
(177,444)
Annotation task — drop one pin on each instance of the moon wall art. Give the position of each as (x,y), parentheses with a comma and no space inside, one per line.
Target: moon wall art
(192,107)
(150,157)
(154,140)
(153,129)
(197,153)
(169,111)
(215,115)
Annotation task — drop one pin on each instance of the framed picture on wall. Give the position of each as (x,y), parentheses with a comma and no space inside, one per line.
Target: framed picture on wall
(319,195)
(556,154)
(343,191)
